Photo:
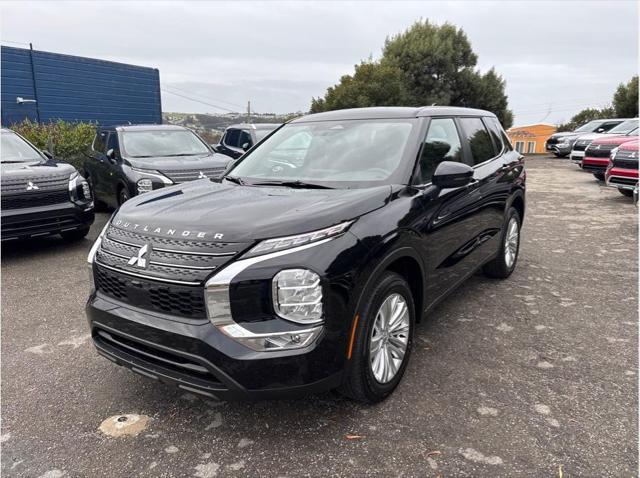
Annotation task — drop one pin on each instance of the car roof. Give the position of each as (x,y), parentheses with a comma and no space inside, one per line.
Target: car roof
(7,130)
(143,127)
(254,125)
(388,112)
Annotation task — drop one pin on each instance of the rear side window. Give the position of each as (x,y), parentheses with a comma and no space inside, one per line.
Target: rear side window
(479,140)
(100,142)
(442,143)
(495,130)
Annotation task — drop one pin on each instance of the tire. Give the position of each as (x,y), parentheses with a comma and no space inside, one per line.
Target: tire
(599,176)
(75,235)
(123,196)
(501,267)
(626,192)
(361,382)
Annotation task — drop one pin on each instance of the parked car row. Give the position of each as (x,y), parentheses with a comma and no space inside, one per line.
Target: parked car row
(610,155)
(42,196)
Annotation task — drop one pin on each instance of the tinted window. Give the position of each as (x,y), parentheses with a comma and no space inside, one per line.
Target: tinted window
(607,126)
(232,137)
(479,139)
(112,143)
(495,130)
(100,142)
(245,138)
(442,143)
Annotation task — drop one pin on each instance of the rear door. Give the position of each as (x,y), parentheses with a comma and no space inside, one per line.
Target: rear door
(231,143)
(112,170)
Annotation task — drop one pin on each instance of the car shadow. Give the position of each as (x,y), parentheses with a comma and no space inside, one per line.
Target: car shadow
(41,248)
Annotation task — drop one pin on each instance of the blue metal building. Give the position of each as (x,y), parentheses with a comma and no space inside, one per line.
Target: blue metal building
(43,86)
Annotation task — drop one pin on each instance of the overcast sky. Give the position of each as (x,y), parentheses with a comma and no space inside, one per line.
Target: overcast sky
(557,57)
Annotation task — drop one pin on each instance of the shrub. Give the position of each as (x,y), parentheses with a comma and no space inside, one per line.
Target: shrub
(66,141)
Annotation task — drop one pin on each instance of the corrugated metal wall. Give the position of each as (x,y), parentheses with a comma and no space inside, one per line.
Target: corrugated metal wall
(74,88)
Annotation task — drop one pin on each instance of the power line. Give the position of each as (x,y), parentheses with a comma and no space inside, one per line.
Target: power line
(199,101)
(204,97)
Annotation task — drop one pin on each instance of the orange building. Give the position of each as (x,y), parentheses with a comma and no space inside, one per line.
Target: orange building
(530,139)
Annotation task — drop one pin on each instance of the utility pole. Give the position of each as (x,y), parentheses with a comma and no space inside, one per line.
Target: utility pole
(248,111)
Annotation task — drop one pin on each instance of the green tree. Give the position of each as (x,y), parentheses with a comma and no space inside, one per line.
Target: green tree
(586,115)
(372,84)
(625,99)
(424,65)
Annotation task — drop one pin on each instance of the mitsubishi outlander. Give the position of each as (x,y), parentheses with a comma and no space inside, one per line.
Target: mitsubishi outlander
(307,265)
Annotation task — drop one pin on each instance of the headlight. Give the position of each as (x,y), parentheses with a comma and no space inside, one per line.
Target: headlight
(79,190)
(297,295)
(614,151)
(153,174)
(92,252)
(280,243)
(144,186)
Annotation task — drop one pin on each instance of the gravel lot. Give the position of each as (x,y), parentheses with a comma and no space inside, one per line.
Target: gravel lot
(532,376)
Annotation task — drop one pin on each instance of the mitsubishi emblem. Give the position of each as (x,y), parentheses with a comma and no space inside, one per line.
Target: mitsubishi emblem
(202,175)
(31,186)
(139,260)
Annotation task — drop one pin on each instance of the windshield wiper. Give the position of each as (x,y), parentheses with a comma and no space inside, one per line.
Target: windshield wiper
(16,162)
(235,179)
(292,184)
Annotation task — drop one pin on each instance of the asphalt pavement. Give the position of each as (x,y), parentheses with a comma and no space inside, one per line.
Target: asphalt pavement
(534,376)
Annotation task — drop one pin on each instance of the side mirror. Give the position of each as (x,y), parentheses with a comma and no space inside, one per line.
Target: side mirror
(600,130)
(111,155)
(245,146)
(47,154)
(450,174)
(215,147)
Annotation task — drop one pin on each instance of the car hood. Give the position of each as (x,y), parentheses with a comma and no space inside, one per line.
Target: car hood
(630,145)
(177,163)
(591,136)
(617,139)
(231,213)
(564,135)
(35,170)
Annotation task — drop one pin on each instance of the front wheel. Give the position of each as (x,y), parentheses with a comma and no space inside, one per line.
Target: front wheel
(382,340)
(599,176)
(123,196)
(505,262)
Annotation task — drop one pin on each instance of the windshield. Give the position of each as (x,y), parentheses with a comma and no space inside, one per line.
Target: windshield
(161,143)
(588,128)
(14,149)
(624,127)
(350,153)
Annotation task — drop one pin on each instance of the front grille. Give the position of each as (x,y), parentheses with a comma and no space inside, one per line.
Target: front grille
(593,168)
(599,151)
(34,199)
(625,163)
(184,175)
(171,299)
(43,183)
(172,279)
(581,145)
(627,154)
(623,181)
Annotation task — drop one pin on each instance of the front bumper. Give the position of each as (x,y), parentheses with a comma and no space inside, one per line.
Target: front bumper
(595,165)
(558,148)
(26,223)
(622,178)
(196,357)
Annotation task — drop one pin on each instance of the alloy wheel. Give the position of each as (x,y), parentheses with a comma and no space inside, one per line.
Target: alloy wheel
(511,241)
(389,338)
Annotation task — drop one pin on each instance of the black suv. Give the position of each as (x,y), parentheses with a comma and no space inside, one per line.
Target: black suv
(307,266)
(125,161)
(41,196)
(238,138)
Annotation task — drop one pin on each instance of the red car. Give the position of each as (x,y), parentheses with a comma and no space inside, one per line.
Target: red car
(596,156)
(622,172)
